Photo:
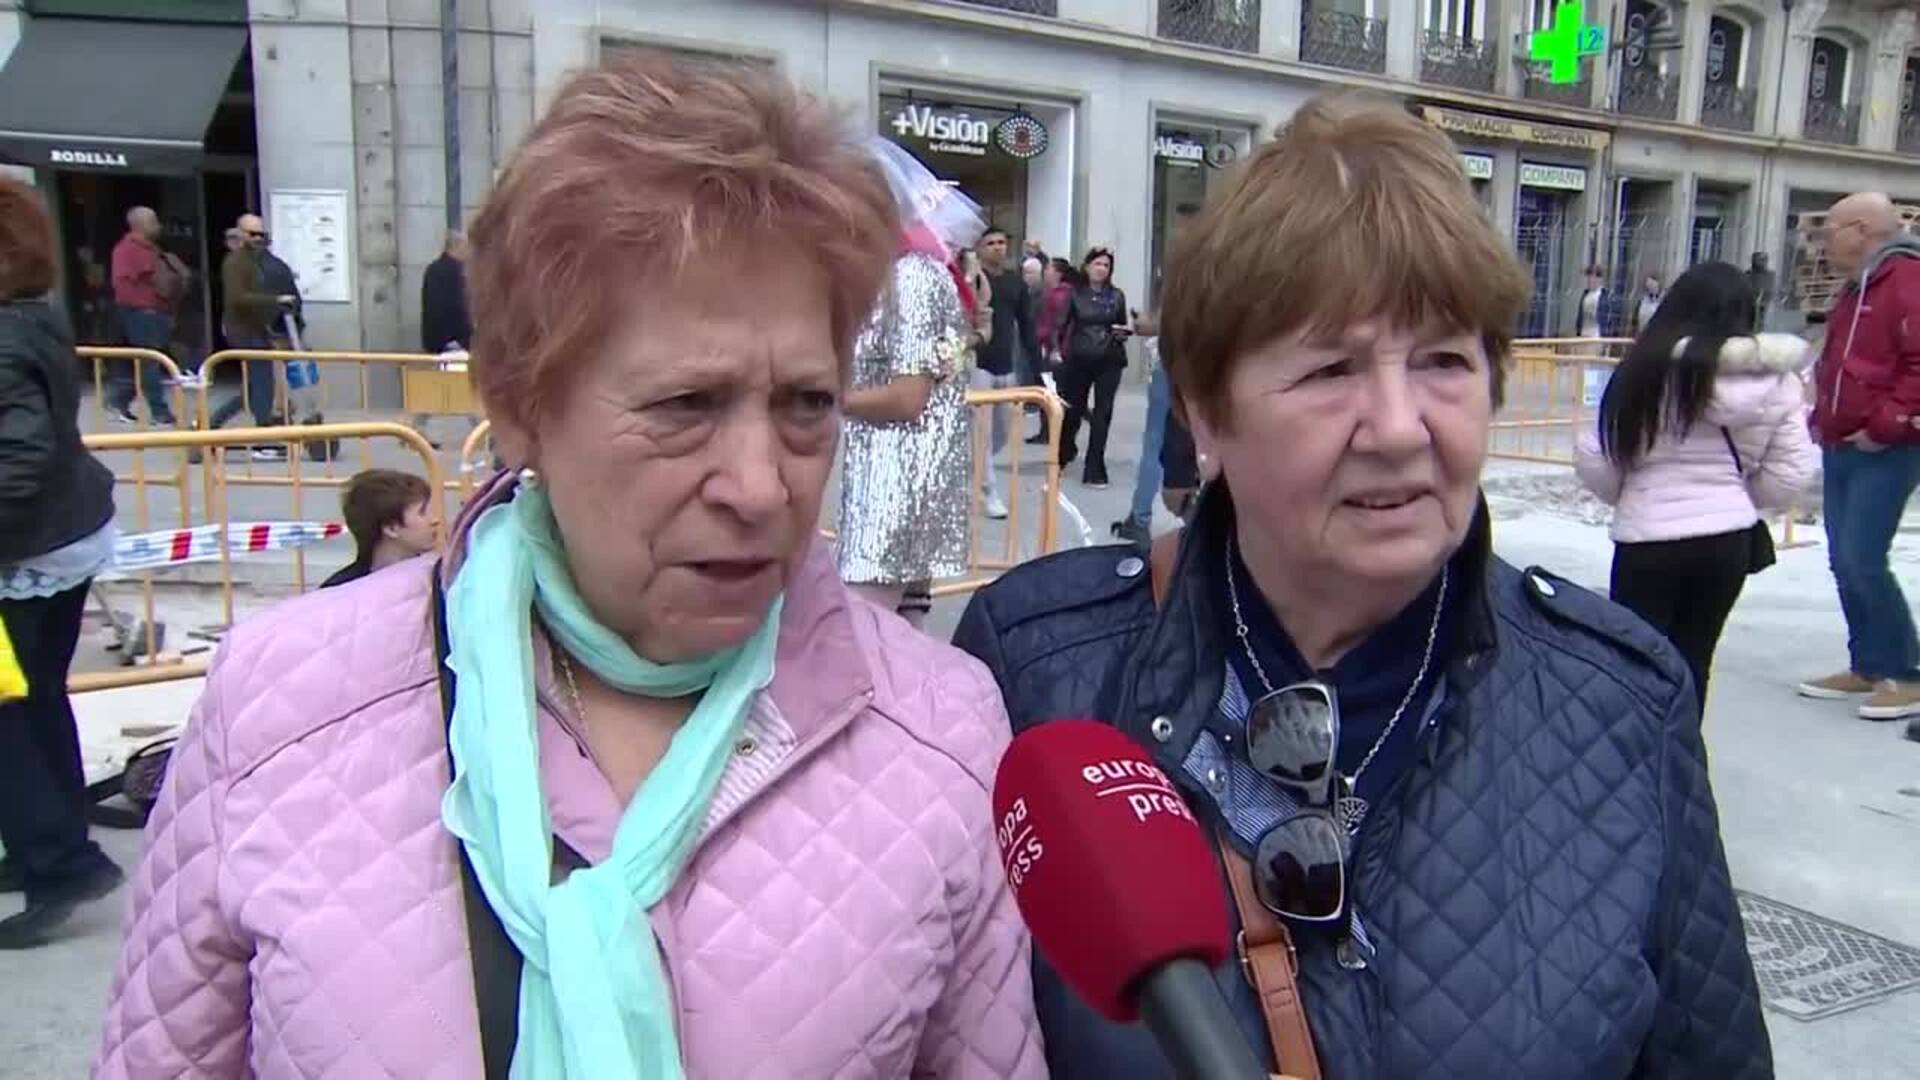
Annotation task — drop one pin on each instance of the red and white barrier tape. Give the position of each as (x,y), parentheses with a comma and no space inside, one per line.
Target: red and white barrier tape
(149,551)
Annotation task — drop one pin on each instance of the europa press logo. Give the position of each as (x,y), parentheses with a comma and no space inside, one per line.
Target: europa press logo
(1021,136)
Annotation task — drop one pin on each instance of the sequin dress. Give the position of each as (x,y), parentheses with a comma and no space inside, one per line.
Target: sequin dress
(904,499)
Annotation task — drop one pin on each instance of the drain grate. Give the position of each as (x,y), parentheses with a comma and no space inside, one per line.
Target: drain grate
(1810,967)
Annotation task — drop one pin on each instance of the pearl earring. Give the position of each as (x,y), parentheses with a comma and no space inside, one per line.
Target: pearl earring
(529,477)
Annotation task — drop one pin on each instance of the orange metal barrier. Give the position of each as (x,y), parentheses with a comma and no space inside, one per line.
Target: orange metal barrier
(101,357)
(159,666)
(476,463)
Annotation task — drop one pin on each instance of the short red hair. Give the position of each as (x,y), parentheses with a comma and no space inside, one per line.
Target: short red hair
(639,167)
(26,241)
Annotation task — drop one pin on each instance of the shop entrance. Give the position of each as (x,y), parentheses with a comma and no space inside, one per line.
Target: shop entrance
(1188,161)
(1547,233)
(960,143)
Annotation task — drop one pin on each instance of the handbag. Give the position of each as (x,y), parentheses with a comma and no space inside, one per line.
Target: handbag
(1265,948)
(1760,551)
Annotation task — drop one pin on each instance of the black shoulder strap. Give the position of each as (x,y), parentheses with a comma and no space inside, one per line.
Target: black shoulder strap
(496,963)
(1738,465)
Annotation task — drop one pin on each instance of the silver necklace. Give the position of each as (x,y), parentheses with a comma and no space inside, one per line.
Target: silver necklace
(573,694)
(1349,808)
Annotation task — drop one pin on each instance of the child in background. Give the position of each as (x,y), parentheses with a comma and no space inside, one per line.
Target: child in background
(390,516)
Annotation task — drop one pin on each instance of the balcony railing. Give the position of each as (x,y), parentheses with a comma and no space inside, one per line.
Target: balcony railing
(1536,86)
(1344,40)
(1728,107)
(1646,92)
(1223,24)
(1831,122)
(1451,60)
(1909,141)
(1025,7)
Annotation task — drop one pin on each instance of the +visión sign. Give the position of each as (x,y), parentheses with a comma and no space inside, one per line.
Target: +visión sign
(1562,45)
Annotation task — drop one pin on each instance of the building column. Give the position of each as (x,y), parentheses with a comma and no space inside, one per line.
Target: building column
(1693,59)
(1797,39)
(1280,28)
(1403,37)
(1507,28)
(1880,117)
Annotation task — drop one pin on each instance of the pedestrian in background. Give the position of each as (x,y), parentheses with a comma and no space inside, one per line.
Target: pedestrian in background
(389,513)
(148,282)
(249,310)
(1701,428)
(999,356)
(446,322)
(56,534)
(1591,306)
(1867,398)
(1650,296)
(1137,527)
(1094,339)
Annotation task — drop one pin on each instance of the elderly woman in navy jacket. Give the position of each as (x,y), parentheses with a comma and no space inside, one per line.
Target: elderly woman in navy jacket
(1474,795)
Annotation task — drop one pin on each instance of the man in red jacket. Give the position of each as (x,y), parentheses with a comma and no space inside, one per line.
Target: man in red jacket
(1867,403)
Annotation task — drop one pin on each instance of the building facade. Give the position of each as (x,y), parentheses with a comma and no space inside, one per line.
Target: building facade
(1697,130)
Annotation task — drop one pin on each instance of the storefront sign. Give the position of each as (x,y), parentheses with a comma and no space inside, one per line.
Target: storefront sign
(1175,150)
(1557,177)
(91,159)
(1021,136)
(1478,166)
(944,132)
(1507,129)
(310,235)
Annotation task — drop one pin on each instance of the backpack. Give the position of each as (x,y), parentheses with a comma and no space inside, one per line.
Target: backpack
(171,278)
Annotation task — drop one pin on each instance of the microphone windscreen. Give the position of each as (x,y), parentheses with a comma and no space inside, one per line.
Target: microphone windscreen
(1111,871)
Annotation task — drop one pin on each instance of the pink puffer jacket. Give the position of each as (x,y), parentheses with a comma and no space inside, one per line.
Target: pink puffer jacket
(1687,486)
(298,911)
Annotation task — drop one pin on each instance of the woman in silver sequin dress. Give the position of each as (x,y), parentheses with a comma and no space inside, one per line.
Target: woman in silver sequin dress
(903,489)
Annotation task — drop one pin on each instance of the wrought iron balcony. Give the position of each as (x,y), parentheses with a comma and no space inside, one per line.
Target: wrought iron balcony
(1451,60)
(1727,107)
(1909,142)
(1644,91)
(1343,40)
(1223,24)
(1536,86)
(1025,7)
(1831,122)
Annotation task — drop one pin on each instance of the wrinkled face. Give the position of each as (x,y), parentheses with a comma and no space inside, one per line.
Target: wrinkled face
(1848,243)
(414,531)
(686,457)
(1355,462)
(1099,269)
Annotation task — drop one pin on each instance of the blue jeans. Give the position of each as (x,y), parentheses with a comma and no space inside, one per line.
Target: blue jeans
(261,387)
(1865,495)
(142,330)
(1146,480)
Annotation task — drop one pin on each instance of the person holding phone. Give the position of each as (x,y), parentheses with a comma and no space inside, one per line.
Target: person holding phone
(1094,341)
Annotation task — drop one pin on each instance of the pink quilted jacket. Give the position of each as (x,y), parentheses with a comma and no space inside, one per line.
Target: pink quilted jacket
(298,911)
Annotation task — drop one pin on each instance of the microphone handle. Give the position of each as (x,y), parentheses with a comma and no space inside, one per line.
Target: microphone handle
(1181,1005)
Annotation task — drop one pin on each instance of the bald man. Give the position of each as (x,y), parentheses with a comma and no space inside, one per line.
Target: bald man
(147,283)
(1866,405)
(248,311)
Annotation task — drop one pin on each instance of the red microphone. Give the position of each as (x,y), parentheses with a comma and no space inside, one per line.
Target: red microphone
(1121,889)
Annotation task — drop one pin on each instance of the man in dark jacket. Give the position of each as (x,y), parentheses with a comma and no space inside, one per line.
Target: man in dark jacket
(445,323)
(1866,406)
(56,516)
(250,309)
(1013,334)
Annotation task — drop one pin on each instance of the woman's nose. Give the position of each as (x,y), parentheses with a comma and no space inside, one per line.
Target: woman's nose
(749,481)
(1391,420)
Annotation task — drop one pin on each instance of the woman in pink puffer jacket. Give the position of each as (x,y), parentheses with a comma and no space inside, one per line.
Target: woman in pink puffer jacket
(1701,428)
(709,815)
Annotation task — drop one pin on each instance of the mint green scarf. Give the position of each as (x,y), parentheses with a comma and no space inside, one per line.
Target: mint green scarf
(594,1001)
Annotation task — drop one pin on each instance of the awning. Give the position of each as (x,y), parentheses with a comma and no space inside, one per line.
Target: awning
(114,96)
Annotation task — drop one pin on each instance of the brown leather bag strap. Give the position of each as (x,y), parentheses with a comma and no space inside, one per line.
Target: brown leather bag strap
(1266,949)
(1272,968)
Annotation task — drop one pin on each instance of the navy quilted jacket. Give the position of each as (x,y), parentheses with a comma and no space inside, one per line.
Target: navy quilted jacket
(1545,885)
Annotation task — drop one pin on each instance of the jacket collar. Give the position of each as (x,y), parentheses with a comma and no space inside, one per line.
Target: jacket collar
(1174,675)
(820,661)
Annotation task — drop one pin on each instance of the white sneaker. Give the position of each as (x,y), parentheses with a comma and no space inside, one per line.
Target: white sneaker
(996,508)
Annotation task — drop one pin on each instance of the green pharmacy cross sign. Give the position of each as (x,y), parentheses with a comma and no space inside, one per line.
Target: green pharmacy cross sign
(1569,39)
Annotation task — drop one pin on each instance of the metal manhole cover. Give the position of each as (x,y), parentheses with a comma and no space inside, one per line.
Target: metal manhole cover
(1810,967)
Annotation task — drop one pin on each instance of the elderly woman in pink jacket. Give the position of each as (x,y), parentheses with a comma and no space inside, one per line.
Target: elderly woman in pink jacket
(1701,428)
(626,785)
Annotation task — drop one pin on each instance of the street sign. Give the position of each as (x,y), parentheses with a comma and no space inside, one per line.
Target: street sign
(1562,45)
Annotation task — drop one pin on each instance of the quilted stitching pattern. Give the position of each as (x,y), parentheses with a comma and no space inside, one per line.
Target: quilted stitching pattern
(1547,891)
(298,910)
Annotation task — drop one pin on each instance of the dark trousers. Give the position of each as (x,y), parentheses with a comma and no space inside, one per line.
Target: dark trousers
(1079,380)
(259,390)
(1685,589)
(43,796)
(142,330)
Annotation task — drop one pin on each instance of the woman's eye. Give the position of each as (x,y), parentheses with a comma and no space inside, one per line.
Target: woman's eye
(1447,361)
(684,406)
(1339,369)
(814,404)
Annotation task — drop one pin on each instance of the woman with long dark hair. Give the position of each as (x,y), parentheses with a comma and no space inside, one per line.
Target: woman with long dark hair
(1094,340)
(1701,428)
